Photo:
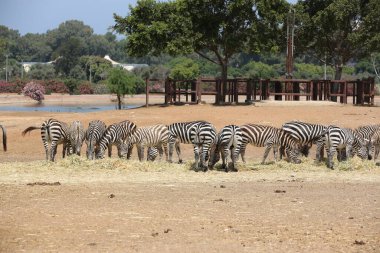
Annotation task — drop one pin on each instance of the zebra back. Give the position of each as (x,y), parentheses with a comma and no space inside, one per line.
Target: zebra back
(260,135)
(304,132)
(4,137)
(116,134)
(95,131)
(150,136)
(181,131)
(76,135)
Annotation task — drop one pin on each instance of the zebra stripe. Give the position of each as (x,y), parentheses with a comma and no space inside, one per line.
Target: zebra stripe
(366,132)
(55,133)
(340,138)
(375,143)
(151,136)
(94,133)
(290,145)
(115,134)
(179,133)
(307,134)
(228,144)
(260,136)
(4,137)
(202,136)
(76,136)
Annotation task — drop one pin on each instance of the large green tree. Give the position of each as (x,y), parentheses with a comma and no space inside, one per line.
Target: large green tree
(214,29)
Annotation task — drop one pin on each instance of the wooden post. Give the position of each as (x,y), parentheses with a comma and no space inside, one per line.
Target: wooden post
(146,93)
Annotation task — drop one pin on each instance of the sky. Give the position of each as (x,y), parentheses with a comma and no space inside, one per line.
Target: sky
(39,16)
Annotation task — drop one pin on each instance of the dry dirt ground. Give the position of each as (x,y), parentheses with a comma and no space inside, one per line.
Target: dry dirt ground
(126,206)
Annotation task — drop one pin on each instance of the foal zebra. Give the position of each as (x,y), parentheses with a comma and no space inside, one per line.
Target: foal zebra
(340,138)
(115,134)
(306,134)
(95,131)
(54,132)
(228,143)
(4,138)
(76,136)
(151,136)
(268,137)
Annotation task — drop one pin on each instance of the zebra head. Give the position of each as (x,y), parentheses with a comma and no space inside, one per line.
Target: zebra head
(214,156)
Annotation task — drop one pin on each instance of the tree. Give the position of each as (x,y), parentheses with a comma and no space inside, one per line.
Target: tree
(122,82)
(35,91)
(222,28)
(336,30)
(184,69)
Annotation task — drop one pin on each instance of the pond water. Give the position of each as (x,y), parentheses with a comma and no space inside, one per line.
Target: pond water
(63,108)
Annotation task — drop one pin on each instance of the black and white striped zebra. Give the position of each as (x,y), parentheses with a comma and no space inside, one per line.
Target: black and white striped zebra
(307,134)
(290,146)
(179,133)
(227,144)
(94,133)
(151,136)
(375,143)
(76,136)
(53,132)
(203,135)
(338,139)
(4,137)
(268,137)
(366,132)
(115,134)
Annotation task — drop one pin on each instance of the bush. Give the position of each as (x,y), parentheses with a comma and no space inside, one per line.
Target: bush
(100,88)
(34,90)
(54,86)
(85,88)
(14,87)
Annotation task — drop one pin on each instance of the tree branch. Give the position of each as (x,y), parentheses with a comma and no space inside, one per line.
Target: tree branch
(206,57)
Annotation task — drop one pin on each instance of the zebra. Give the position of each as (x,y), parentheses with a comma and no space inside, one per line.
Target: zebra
(268,137)
(340,138)
(290,146)
(375,142)
(306,134)
(4,137)
(95,131)
(54,132)
(203,135)
(115,134)
(76,136)
(179,133)
(151,136)
(228,143)
(366,132)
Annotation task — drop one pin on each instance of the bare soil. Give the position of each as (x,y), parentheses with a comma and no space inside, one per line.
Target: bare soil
(49,208)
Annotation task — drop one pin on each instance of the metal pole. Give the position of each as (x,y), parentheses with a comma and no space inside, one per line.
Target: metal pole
(325,68)
(22,70)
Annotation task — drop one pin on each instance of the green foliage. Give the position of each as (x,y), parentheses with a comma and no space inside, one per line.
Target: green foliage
(184,69)
(72,85)
(122,82)
(41,72)
(259,70)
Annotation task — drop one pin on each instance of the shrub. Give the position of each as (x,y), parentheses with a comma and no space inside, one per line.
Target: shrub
(14,87)
(85,88)
(100,88)
(54,86)
(34,90)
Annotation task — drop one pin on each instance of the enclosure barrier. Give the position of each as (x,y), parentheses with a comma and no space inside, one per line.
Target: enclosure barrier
(191,91)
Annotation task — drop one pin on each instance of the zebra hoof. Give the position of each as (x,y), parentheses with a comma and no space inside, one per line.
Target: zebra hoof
(180,161)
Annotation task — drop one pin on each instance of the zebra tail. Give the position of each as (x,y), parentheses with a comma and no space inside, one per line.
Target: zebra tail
(31,128)
(4,138)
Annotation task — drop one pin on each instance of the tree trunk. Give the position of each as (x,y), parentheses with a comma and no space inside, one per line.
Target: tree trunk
(337,76)
(118,102)
(224,76)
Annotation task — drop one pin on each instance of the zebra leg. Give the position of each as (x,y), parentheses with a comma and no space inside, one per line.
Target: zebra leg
(331,152)
(234,157)
(267,149)
(204,156)
(377,151)
(282,151)
(178,150)
(53,150)
(160,151)
(109,150)
(225,154)
(242,152)
(46,146)
(196,157)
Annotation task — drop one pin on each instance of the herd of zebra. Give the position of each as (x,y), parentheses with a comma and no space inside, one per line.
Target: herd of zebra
(291,140)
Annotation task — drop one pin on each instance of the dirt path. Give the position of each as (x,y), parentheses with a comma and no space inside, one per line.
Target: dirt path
(127,208)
